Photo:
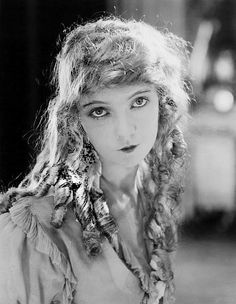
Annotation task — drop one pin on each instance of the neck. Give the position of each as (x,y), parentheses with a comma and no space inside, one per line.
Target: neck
(120,179)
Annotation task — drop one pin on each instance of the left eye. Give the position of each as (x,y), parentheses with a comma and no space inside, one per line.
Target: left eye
(98,113)
(139,102)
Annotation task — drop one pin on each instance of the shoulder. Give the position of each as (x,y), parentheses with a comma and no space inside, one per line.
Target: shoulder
(42,208)
(25,218)
(26,242)
(28,223)
(26,213)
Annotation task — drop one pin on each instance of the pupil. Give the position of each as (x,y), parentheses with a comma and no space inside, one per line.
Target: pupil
(99,112)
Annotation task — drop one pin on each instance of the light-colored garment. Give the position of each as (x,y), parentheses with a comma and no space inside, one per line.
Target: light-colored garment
(43,265)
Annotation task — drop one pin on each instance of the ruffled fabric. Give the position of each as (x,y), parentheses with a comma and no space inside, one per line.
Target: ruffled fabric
(133,264)
(155,276)
(153,283)
(22,216)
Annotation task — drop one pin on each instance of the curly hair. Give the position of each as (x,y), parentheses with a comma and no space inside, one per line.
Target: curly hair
(106,53)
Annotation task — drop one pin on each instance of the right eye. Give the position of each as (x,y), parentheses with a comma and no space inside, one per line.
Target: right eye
(98,113)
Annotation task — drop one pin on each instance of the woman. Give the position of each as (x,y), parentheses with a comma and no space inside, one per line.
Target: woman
(95,219)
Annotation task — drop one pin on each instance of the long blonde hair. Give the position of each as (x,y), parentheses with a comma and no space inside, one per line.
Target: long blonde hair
(105,53)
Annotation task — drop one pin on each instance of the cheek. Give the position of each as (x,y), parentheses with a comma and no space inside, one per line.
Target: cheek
(149,126)
(98,135)
(152,130)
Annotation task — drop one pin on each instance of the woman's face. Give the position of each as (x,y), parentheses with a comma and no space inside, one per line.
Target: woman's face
(121,123)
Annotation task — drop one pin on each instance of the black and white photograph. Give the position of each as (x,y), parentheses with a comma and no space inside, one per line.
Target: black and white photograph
(118,152)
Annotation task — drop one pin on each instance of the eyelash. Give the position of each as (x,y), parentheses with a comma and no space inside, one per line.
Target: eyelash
(91,113)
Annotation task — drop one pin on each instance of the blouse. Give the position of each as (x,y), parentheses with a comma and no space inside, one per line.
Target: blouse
(40,264)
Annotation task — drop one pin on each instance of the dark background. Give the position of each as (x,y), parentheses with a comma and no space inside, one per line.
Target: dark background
(29,31)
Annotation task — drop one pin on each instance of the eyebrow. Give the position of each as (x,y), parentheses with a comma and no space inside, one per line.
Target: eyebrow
(140,92)
(94,102)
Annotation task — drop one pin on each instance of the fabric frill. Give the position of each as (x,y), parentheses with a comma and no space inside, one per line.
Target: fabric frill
(151,284)
(22,216)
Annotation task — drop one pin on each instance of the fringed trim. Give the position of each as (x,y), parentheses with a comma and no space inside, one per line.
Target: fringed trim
(22,216)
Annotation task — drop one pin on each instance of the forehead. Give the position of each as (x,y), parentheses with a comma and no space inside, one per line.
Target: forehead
(124,91)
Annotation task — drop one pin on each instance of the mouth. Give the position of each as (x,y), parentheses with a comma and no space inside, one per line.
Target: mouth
(128,149)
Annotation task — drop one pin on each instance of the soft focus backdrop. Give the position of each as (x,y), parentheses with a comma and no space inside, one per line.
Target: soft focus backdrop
(29,29)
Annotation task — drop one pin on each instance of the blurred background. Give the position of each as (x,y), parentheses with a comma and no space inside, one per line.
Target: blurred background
(29,35)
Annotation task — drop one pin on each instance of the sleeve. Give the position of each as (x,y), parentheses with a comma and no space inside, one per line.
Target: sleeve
(32,270)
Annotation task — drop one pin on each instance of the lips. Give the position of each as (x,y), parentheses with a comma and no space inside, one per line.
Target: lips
(128,149)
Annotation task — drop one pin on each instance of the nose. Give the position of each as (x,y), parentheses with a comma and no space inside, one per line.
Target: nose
(125,129)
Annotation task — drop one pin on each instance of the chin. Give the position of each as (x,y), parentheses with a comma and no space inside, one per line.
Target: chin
(132,161)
